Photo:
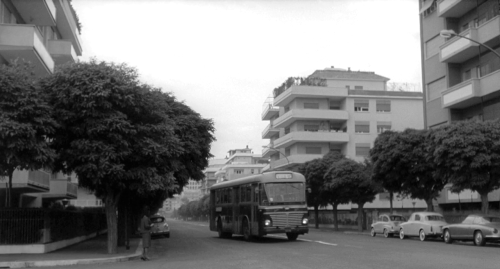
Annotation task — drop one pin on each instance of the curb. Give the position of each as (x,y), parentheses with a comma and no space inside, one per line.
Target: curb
(25,264)
(358,233)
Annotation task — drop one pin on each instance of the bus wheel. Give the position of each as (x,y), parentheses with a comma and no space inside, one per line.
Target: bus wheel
(246,231)
(292,236)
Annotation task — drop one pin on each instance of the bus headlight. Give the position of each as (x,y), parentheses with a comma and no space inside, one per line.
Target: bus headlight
(305,221)
(267,222)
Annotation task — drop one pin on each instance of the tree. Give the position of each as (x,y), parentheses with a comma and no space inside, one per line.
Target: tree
(402,162)
(387,170)
(314,172)
(26,124)
(118,134)
(468,154)
(355,180)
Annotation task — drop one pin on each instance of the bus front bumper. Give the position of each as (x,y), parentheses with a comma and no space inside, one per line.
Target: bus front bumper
(276,230)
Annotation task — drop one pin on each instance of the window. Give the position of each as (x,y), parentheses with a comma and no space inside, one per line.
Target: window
(311,105)
(435,88)
(489,66)
(361,105)
(334,106)
(252,171)
(246,193)
(238,171)
(287,130)
(464,27)
(362,149)
(313,150)
(417,217)
(383,126)
(6,15)
(287,152)
(358,87)
(431,8)
(383,105)
(466,75)
(432,46)
(362,127)
(287,108)
(347,87)
(488,14)
(311,128)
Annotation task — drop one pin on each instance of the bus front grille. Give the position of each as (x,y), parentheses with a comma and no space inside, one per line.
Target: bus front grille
(287,219)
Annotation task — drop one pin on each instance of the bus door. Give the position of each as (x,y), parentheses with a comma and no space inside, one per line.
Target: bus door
(255,203)
(236,209)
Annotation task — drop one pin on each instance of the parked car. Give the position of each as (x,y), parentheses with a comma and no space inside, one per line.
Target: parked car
(160,226)
(476,227)
(387,224)
(423,225)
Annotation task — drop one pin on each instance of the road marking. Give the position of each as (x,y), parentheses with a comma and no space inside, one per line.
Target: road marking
(326,243)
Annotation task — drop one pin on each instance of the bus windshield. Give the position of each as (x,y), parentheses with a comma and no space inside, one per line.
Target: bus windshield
(283,193)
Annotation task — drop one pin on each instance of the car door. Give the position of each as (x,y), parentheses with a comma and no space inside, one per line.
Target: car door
(377,226)
(463,230)
(408,226)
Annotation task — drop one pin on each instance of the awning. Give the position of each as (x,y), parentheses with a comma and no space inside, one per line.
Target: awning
(427,4)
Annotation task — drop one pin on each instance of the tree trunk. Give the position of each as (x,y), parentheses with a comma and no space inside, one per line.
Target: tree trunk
(484,202)
(121,225)
(9,190)
(360,216)
(112,225)
(335,216)
(316,220)
(430,206)
(391,197)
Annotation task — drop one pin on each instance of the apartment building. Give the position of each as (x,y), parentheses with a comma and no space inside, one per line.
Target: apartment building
(336,110)
(461,78)
(45,33)
(210,179)
(240,163)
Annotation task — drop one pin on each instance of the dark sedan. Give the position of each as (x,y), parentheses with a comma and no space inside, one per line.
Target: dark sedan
(476,228)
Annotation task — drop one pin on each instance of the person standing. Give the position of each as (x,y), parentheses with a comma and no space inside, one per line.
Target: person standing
(146,235)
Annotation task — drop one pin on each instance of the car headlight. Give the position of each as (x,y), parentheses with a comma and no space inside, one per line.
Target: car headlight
(305,221)
(267,222)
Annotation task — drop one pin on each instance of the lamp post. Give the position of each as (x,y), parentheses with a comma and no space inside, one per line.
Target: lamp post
(288,161)
(451,33)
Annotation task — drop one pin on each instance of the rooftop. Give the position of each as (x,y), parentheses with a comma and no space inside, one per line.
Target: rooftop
(338,73)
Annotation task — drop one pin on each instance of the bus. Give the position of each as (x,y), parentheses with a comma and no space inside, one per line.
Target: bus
(257,205)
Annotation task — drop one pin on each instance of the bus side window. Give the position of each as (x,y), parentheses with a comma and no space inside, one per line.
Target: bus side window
(236,195)
(255,191)
(217,196)
(229,195)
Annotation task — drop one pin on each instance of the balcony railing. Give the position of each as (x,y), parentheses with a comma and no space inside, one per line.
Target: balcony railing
(298,91)
(39,178)
(305,136)
(455,8)
(310,114)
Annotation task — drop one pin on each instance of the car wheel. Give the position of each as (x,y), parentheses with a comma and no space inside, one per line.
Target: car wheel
(246,231)
(447,237)
(386,233)
(168,235)
(372,232)
(292,236)
(421,235)
(479,239)
(401,234)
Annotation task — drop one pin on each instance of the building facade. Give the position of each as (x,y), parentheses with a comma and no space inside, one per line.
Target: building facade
(342,111)
(46,34)
(240,163)
(461,78)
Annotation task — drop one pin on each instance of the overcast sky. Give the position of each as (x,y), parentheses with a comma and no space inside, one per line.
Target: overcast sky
(224,58)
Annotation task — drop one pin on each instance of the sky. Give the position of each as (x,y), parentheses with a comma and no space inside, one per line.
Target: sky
(224,58)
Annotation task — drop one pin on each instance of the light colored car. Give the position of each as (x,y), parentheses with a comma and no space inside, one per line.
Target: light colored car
(159,226)
(423,225)
(387,224)
(476,227)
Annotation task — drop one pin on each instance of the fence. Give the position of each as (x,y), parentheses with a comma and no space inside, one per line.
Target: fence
(40,225)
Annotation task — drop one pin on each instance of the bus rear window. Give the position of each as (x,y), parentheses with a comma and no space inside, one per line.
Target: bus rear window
(277,193)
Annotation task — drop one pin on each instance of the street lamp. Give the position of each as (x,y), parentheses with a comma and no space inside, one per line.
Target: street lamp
(288,161)
(450,33)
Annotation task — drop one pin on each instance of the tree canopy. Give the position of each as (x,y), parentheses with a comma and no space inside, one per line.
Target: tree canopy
(26,123)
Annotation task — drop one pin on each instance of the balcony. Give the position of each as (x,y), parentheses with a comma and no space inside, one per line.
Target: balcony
(61,189)
(310,114)
(66,24)
(325,136)
(471,92)
(269,111)
(62,51)
(294,160)
(270,131)
(37,12)
(24,181)
(455,8)
(296,91)
(25,42)
(268,151)
(458,50)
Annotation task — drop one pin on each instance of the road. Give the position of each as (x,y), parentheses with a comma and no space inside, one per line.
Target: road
(191,245)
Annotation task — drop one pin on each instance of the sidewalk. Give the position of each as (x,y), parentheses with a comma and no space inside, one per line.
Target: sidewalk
(92,251)
(330,228)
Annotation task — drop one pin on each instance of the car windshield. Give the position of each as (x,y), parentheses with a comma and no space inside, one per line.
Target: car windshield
(282,193)
(398,218)
(157,219)
(434,218)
